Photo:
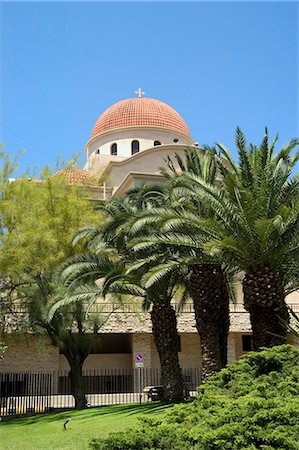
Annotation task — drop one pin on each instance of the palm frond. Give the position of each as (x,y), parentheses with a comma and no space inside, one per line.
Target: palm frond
(244,160)
(158,273)
(85,293)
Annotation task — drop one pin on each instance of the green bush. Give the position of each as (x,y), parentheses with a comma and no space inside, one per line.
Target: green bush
(148,437)
(251,404)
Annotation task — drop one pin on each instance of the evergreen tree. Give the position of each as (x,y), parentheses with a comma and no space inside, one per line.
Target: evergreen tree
(38,219)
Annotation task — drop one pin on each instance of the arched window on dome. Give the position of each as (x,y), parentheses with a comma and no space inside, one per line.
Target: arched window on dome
(157,143)
(135,147)
(113,149)
(98,151)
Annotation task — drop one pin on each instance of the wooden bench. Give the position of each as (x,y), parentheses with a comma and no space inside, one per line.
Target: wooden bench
(154,392)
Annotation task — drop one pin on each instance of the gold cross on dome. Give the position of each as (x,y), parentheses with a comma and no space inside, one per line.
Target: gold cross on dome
(139,92)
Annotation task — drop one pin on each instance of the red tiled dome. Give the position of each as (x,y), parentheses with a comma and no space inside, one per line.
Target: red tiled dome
(74,175)
(140,111)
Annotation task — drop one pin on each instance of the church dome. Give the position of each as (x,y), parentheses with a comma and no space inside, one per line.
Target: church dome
(74,176)
(140,112)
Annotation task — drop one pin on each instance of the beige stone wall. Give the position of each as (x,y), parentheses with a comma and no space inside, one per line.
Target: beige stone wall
(240,322)
(120,322)
(128,323)
(186,323)
(148,161)
(29,353)
(36,354)
(190,355)
(234,346)
(154,353)
(231,348)
(141,323)
(142,342)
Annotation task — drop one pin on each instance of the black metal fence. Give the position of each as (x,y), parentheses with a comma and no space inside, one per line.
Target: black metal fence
(27,393)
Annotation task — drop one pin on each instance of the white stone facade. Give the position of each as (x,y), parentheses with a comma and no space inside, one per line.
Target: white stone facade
(146,136)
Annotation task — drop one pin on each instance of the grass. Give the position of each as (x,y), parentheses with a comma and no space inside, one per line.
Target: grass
(45,431)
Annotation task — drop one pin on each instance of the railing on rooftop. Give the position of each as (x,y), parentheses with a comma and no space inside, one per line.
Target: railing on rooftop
(94,193)
(135,308)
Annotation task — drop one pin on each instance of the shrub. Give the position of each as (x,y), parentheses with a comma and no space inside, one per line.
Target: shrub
(251,404)
(148,437)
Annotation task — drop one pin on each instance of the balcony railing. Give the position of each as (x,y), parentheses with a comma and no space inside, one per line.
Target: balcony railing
(94,193)
(129,308)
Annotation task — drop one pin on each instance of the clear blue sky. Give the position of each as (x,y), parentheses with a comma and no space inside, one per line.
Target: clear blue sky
(218,64)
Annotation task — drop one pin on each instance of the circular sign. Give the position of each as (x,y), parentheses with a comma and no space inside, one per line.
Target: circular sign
(139,357)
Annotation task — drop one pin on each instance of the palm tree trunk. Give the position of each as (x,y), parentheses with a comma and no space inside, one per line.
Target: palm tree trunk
(211,307)
(264,299)
(164,325)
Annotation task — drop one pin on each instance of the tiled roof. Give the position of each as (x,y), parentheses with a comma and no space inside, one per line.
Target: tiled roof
(74,175)
(140,111)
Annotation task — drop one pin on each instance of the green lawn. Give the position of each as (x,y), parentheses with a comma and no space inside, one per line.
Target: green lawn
(46,431)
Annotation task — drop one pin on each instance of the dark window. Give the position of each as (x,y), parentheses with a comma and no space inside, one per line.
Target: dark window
(98,151)
(113,343)
(113,149)
(247,342)
(135,147)
(157,143)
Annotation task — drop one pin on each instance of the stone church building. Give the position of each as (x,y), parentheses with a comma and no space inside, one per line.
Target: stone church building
(127,147)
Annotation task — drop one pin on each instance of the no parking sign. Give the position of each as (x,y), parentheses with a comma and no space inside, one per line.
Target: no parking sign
(138,359)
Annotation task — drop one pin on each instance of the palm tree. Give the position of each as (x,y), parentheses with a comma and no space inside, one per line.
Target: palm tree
(157,298)
(208,280)
(256,210)
(121,272)
(177,231)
